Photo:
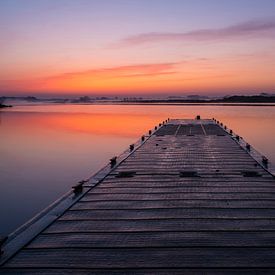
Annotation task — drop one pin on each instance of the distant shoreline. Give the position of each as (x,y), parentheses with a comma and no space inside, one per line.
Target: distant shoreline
(148,104)
(177,104)
(2,106)
(235,100)
(171,104)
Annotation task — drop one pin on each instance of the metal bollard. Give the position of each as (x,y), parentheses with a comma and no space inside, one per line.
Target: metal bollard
(265,161)
(113,161)
(78,188)
(131,147)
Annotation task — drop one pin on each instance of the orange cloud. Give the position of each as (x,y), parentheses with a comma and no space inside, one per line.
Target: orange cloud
(97,79)
(121,71)
(120,77)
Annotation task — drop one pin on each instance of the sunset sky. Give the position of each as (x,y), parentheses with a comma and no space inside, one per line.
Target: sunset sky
(136,47)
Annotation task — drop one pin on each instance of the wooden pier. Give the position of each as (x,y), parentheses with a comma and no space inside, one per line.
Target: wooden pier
(191,197)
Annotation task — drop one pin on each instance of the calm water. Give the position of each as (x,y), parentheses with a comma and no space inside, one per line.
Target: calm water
(44,150)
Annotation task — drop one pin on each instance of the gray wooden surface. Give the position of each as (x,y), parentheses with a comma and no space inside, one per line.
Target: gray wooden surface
(187,208)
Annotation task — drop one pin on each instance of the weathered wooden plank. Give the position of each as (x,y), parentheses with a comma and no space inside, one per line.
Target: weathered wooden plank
(155,239)
(236,165)
(202,171)
(139,271)
(162,152)
(163,181)
(169,196)
(154,181)
(162,225)
(146,258)
(157,148)
(155,204)
(179,213)
(173,185)
(179,159)
(156,190)
(196,163)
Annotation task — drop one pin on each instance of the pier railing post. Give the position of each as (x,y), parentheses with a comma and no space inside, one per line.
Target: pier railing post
(2,241)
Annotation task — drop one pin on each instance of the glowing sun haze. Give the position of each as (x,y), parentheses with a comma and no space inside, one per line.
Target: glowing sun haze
(135,47)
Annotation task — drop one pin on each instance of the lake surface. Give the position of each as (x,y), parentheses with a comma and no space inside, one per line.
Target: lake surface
(44,150)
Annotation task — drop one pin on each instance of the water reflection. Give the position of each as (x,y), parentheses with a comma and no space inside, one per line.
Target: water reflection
(45,149)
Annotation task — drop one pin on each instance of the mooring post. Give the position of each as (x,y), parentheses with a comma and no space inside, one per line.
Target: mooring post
(2,241)
(131,147)
(113,161)
(265,161)
(78,188)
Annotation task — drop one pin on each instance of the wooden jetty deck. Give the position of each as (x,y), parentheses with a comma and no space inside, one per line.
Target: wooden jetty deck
(191,197)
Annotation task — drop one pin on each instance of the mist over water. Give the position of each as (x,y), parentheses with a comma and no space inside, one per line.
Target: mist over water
(44,150)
